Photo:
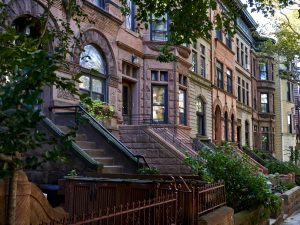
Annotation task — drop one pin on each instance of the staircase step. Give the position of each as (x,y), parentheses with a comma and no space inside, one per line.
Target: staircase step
(112,169)
(64,129)
(86,144)
(105,160)
(81,137)
(95,152)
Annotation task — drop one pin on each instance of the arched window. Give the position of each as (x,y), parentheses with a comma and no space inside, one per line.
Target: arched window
(247,133)
(200,113)
(28,25)
(226,126)
(232,128)
(93,82)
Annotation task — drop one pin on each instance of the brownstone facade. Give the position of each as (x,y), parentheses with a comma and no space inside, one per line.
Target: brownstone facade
(194,102)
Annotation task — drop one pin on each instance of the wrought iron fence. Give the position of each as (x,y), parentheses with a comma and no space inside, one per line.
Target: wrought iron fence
(170,202)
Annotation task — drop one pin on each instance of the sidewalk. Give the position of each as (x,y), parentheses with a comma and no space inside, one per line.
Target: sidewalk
(293,219)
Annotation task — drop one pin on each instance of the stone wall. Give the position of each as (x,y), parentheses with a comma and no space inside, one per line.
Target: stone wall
(291,200)
(157,151)
(221,216)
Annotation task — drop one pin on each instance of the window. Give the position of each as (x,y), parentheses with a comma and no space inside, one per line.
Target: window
(28,25)
(232,128)
(228,40)
(130,19)
(263,71)
(194,62)
(93,84)
(254,103)
(265,138)
(242,54)
(219,35)
(247,59)
(182,80)
(220,78)
(182,107)
(254,68)
(98,3)
(243,92)
(159,76)
(239,89)
(247,94)
(129,70)
(226,126)
(159,28)
(288,94)
(229,81)
(247,142)
(200,113)
(202,61)
(290,127)
(159,104)
(264,103)
(237,50)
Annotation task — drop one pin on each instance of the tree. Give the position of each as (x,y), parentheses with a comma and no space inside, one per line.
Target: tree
(287,45)
(29,60)
(190,19)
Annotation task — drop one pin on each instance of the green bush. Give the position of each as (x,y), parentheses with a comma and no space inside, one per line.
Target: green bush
(283,186)
(98,109)
(245,188)
(282,167)
(148,171)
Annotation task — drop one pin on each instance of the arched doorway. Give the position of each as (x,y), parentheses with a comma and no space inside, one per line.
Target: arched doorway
(226,127)
(218,131)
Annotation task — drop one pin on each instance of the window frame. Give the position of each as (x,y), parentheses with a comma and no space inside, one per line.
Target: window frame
(165,31)
(220,75)
(267,110)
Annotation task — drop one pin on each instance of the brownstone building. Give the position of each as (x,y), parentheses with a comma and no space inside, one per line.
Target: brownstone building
(162,109)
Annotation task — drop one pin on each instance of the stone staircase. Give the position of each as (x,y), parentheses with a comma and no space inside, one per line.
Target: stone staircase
(89,146)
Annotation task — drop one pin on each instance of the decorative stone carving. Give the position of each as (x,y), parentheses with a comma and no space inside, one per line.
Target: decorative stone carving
(65,94)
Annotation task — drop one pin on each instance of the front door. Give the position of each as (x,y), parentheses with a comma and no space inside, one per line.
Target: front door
(127,103)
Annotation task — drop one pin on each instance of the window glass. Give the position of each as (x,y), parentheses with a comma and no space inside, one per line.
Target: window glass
(182,107)
(91,58)
(85,82)
(159,28)
(159,104)
(263,71)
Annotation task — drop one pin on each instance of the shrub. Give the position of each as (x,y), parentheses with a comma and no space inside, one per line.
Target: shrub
(282,167)
(148,171)
(245,188)
(98,109)
(283,186)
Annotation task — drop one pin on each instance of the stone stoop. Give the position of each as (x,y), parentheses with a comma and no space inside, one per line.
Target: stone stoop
(99,155)
(157,151)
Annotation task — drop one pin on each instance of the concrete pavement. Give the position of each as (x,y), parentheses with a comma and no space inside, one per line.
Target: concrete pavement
(293,219)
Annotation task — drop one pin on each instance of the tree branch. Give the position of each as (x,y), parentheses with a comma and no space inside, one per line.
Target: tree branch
(6,158)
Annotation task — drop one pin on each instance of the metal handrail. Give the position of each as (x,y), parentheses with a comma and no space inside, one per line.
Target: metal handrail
(167,134)
(76,107)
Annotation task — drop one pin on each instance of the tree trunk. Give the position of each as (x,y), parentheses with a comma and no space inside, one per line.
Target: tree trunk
(12,198)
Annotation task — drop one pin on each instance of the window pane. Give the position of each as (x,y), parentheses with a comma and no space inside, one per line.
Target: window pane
(85,82)
(158,113)
(264,98)
(263,71)
(158,95)
(154,75)
(97,86)
(91,58)
(163,76)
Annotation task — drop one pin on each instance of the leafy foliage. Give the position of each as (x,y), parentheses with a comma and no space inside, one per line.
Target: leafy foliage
(245,188)
(192,19)
(148,171)
(98,109)
(27,65)
(282,167)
